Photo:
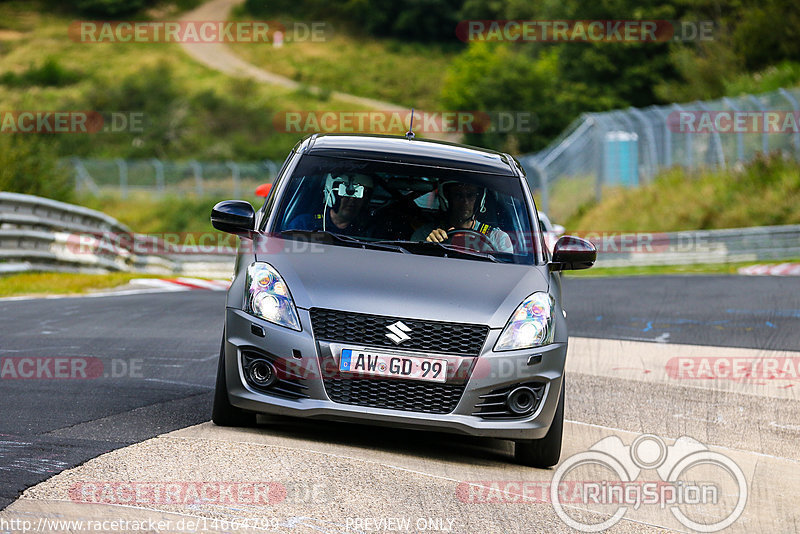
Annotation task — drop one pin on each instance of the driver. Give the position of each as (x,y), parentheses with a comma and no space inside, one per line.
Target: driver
(345,197)
(460,204)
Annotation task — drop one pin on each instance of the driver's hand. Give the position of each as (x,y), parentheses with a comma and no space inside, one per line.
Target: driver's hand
(437,235)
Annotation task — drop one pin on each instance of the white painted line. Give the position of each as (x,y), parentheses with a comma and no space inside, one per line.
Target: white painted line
(157,283)
(214,285)
(139,286)
(793,428)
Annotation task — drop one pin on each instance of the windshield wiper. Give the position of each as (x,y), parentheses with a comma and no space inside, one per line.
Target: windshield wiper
(433,245)
(346,239)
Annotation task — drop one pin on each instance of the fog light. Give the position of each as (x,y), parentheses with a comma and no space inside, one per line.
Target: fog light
(521,400)
(261,373)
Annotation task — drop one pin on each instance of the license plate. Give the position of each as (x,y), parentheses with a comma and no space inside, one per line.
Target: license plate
(376,364)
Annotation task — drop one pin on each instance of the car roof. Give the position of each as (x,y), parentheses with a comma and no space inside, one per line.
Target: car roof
(400,149)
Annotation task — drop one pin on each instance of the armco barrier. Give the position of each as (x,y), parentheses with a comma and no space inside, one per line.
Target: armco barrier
(39,234)
(758,243)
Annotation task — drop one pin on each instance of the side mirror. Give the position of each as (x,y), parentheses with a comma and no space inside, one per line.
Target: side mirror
(573,253)
(234,216)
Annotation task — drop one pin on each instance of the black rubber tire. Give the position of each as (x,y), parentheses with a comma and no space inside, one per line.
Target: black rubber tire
(223,413)
(544,452)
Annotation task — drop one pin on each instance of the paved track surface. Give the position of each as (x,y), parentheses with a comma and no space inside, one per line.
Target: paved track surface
(51,425)
(728,311)
(165,345)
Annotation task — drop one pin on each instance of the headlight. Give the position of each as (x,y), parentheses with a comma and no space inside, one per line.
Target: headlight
(531,325)
(268,297)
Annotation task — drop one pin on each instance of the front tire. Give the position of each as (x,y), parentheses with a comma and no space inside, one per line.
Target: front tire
(546,451)
(223,412)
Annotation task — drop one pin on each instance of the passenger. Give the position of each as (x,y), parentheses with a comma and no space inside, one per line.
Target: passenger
(345,198)
(459,203)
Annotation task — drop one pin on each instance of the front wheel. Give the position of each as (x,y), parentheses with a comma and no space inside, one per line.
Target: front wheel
(223,412)
(546,451)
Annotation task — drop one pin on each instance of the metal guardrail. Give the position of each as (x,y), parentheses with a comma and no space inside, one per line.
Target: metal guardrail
(736,245)
(39,234)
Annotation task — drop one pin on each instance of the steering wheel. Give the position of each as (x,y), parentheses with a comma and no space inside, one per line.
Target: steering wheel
(479,241)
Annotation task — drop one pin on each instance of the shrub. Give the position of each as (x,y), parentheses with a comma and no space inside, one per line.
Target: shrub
(29,165)
(50,74)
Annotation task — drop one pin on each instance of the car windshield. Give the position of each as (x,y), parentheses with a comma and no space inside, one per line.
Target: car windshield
(409,208)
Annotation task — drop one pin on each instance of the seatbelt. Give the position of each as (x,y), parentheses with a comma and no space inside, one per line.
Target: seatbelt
(482,228)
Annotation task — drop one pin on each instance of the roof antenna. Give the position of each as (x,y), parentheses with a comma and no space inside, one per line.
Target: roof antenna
(410,133)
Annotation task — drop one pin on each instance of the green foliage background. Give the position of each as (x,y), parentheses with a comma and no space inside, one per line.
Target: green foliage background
(192,112)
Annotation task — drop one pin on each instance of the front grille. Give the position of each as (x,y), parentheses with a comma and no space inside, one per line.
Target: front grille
(493,404)
(425,336)
(394,394)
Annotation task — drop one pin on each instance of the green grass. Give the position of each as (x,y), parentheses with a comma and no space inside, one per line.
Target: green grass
(62,283)
(764,192)
(403,73)
(568,196)
(700,268)
(784,74)
(148,215)
(191,111)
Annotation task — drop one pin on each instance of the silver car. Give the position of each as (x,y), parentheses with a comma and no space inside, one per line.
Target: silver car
(396,281)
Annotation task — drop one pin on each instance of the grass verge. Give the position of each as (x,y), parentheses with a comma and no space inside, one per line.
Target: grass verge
(14,285)
(404,73)
(651,270)
(184,110)
(764,192)
(145,214)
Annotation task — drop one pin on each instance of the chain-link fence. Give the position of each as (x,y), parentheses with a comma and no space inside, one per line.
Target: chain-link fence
(624,148)
(629,147)
(158,177)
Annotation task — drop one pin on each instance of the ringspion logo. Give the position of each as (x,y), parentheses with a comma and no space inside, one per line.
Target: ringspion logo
(704,490)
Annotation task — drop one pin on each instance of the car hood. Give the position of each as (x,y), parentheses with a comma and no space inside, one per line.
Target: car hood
(401,285)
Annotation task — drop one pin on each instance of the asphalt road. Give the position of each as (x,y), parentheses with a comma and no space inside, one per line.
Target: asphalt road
(146,363)
(758,312)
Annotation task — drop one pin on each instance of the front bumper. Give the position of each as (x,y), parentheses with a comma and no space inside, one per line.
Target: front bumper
(481,375)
